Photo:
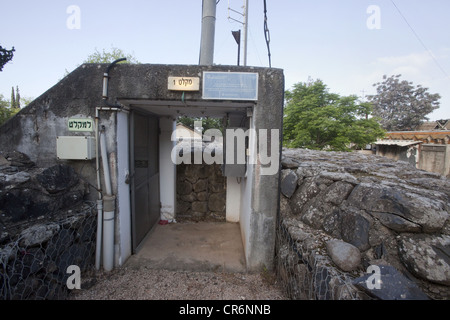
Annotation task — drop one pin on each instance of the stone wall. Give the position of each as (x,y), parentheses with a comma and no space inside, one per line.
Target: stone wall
(46,226)
(435,158)
(344,215)
(201,192)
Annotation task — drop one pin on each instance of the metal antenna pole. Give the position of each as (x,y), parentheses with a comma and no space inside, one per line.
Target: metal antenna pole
(208,32)
(244,24)
(245,31)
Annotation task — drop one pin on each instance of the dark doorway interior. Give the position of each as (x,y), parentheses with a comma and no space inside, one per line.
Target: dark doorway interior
(144,175)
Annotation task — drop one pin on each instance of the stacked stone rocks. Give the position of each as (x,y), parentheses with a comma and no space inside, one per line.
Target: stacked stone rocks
(352,211)
(46,226)
(201,192)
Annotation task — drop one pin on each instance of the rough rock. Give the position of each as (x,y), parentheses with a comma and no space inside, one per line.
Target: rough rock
(389,210)
(346,256)
(289,184)
(196,185)
(307,191)
(200,206)
(392,285)
(338,192)
(396,223)
(37,234)
(17,159)
(429,213)
(339,176)
(15,178)
(355,228)
(184,188)
(217,201)
(58,178)
(426,256)
(200,185)
(289,163)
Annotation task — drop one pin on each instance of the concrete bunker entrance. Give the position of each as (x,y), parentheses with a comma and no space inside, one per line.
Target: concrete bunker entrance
(186,215)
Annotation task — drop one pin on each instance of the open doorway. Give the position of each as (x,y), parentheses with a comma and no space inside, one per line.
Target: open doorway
(144,168)
(198,192)
(201,185)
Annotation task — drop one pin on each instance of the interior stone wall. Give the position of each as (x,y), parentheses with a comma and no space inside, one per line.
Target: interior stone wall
(201,192)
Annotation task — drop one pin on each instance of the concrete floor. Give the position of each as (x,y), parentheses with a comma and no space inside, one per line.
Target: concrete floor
(192,246)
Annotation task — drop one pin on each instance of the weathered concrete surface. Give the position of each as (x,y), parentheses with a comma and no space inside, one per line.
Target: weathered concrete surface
(202,246)
(34,129)
(393,213)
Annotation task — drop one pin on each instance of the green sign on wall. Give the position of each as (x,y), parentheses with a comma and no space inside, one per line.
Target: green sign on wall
(81,125)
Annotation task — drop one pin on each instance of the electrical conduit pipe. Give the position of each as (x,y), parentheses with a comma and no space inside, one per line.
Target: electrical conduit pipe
(105,220)
(98,248)
(108,209)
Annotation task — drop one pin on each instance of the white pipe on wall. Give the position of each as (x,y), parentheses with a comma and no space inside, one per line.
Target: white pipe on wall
(98,248)
(108,209)
(105,162)
(108,232)
(106,218)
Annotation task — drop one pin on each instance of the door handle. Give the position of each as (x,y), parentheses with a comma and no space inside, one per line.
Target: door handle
(128,177)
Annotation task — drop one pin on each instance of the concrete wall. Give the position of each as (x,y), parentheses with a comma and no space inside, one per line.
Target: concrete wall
(34,130)
(428,157)
(435,158)
(260,200)
(259,204)
(409,154)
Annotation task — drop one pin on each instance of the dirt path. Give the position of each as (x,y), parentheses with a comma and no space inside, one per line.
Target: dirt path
(153,284)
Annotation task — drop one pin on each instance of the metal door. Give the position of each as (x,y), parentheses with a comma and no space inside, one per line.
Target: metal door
(145,175)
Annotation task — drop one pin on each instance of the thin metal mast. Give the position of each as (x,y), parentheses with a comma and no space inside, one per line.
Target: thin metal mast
(244,24)
(245,31)
(208,32)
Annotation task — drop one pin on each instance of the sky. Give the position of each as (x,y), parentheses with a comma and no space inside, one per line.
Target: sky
(348,44)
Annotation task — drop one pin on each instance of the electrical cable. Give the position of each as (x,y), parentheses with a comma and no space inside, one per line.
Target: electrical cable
(420,40)
(267,34)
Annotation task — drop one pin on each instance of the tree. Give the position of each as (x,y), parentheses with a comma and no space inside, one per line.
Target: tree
(13,99)
(400,105)
(207,123)
(10,108)
(5,56)
(5,111)
(317,119)
(17,98)
(109,56)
